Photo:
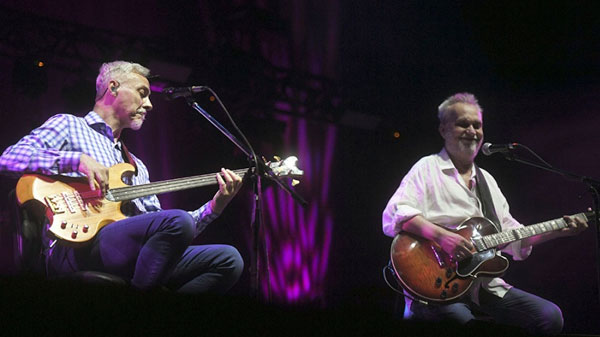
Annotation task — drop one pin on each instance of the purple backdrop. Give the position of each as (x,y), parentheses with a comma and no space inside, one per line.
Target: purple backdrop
(332,251)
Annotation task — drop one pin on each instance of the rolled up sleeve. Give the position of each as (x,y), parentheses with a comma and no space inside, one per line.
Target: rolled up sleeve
(404,204)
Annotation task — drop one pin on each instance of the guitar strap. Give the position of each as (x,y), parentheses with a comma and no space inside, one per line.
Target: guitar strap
(127,157)
(485,196)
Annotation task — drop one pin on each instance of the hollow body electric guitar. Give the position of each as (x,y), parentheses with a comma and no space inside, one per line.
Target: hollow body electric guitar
(76,213)
(425,271)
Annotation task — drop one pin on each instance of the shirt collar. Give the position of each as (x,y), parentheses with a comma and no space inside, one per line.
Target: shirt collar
(445,163)
(99,125)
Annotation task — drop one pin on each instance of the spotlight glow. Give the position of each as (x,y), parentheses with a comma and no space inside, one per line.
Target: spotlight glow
(299,237)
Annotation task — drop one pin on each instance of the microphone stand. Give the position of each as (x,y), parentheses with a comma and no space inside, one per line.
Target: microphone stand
(260,170)
(594,187)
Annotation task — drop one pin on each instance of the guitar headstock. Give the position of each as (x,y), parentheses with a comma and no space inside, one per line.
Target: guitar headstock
(286,168)
(589,215)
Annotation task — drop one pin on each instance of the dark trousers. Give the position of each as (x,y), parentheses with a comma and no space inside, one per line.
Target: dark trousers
(152,250)
(517,308)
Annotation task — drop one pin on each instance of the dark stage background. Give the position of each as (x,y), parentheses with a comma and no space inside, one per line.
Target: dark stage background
(332,81)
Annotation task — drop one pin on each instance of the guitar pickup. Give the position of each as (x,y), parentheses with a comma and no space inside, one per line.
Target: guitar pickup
(55,203)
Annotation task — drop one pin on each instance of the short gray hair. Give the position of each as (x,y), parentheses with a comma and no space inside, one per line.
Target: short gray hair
(461,97)
(116,70)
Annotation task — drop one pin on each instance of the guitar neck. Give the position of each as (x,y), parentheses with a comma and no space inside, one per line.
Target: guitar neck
(502,238)
(159,187)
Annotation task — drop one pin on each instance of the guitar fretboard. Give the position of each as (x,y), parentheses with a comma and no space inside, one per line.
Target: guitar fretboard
(178,184)
(499,239)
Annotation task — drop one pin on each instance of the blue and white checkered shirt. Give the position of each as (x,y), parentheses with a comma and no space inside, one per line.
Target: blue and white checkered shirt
(57,145)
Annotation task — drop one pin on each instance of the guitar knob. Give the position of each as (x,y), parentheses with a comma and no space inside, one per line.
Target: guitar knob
(63,224)
(455,287)
(438,282)
(86,228)
(74,235)
(448,273)
(443,295)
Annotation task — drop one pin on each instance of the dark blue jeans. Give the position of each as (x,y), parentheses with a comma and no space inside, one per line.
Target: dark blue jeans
(517,308)
(152,250)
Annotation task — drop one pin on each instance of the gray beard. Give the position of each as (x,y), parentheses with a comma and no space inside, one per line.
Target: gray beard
(470,149)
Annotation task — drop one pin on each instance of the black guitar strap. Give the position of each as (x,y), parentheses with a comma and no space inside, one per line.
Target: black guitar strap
(485,196)
(127,157)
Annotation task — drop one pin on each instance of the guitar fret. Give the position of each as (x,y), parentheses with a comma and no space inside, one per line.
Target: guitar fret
(498,239)
(487,242)
(535,230)
(510,236)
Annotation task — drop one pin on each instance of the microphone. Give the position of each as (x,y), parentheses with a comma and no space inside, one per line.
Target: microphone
(173,93)
(488,148)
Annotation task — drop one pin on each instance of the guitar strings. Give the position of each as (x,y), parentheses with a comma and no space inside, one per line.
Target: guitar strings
(132,192)
(497,239)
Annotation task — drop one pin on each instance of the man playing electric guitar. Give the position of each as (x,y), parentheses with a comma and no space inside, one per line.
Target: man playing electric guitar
(151,247)
(443,190)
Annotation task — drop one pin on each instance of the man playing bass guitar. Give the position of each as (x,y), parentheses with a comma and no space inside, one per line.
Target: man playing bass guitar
(437,195)
(150,247)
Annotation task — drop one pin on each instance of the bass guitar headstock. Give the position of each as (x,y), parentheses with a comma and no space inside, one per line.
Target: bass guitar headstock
(286,168)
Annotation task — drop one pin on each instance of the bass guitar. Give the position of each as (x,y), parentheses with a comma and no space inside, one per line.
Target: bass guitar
(425,271)
(76,213)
